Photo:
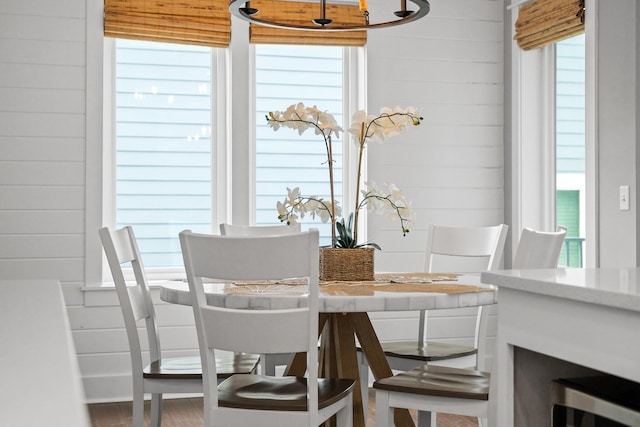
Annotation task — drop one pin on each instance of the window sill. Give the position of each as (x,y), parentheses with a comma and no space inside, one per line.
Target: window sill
(110,286)
(105,295)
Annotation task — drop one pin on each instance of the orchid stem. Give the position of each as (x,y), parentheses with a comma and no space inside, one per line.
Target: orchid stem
(333,200)
(357,209)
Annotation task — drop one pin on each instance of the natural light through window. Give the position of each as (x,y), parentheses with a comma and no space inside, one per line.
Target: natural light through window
(570,147)
(286,75)
(163,138)
(163,145)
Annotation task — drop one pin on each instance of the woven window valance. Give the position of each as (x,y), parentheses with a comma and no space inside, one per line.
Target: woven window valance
(197,22)
(543,22)
(303,12)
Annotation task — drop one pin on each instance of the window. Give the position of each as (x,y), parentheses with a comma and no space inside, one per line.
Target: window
(570,146)
(550,178)
(163,144)
(286,75)
(165,138)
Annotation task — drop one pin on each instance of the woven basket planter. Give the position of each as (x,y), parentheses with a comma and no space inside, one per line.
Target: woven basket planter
(346,264)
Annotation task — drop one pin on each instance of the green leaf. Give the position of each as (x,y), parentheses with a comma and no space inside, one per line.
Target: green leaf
(369,244)
(345,238)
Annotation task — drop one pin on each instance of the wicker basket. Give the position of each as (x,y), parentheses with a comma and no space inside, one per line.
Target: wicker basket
(346,264)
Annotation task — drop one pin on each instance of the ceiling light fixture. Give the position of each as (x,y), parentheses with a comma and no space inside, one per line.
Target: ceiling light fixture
(323,21)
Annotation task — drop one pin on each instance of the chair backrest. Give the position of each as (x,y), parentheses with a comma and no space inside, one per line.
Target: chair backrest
(539,249)
(483,246)
(253,331)
(485,243)
(227,229)
(121,248)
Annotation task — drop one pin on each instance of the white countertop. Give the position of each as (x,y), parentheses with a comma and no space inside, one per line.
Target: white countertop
(556,323)
(41,384)
(611,287)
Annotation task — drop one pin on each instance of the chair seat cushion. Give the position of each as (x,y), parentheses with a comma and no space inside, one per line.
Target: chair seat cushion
(278,393)
(191,368)
(439,381)
(432,351)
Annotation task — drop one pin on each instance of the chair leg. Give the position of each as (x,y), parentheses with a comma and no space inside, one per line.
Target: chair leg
(138,404)
(156,409)
(363,374)
(384,414)
(427,419)
(344,417)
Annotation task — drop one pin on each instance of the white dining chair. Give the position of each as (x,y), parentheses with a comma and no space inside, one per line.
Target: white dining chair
(259,399)
(461,248)
(539,249)
(268,362)
(161,375)
(227,229)
(458,249)
(431,389)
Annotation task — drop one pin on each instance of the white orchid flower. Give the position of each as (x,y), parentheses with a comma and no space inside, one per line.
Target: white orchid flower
(291,219)
(337,209)
(293,194)
(395,192)
(324,215)
(282,211)
(301,118)
(313,204)
(387,123)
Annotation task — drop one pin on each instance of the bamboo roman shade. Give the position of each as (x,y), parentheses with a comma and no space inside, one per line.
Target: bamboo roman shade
(197,22)
(543,22)
(301,13)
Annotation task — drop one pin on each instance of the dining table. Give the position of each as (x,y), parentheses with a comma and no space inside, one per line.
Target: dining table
(344,315)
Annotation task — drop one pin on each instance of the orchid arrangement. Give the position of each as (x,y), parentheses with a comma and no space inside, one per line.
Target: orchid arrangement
(364,128)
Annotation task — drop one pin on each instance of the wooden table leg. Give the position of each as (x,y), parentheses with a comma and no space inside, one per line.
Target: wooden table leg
(328,359)
(298,365)
(339,358)
(344,334)
(377,360)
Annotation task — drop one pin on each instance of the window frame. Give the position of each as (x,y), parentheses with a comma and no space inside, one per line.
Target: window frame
(226,160)
(220,191)
(353,99)
(532,124)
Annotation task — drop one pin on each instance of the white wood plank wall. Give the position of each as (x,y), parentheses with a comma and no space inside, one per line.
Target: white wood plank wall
(42,185)
(449,63)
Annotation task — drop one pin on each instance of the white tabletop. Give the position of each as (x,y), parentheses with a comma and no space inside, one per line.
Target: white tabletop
(288,296)
(611,287)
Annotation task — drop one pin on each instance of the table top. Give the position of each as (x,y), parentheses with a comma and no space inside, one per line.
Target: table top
(390,292)
(611,287)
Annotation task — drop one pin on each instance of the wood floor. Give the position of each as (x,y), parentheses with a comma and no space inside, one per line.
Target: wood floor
(188,413)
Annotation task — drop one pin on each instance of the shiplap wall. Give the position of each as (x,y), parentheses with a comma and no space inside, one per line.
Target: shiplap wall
(42,103)
(449,63)
(42,186)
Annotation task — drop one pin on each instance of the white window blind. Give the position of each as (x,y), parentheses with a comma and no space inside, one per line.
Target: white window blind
(163,145)
(287,74)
